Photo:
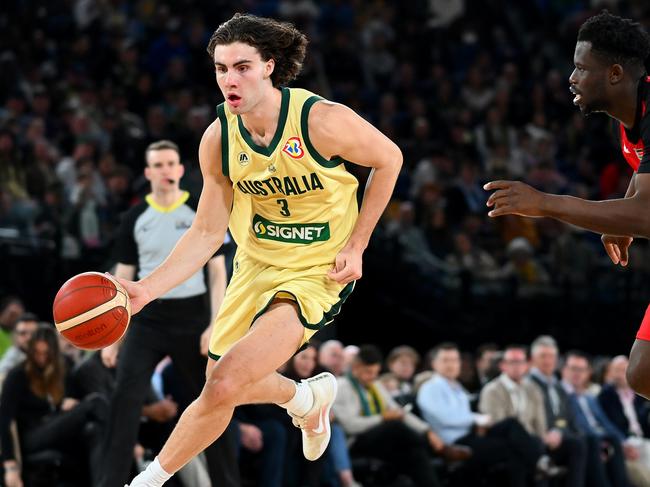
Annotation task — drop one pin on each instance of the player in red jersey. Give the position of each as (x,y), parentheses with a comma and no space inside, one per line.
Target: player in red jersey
(610,77)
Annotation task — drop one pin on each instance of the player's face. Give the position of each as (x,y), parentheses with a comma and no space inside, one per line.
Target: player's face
(447,364)
(164,169)
(243,77)
(588,81)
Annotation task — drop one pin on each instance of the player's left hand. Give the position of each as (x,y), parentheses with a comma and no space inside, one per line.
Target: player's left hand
(205,340)
(514,198)
(348,264)
(617,248)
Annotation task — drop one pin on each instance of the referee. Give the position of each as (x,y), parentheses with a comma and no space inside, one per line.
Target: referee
(178,324)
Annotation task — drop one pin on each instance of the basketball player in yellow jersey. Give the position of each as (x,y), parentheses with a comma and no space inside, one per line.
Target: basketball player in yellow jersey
(272,169)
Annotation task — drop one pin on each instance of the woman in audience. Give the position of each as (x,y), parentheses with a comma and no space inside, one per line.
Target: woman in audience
(34,396)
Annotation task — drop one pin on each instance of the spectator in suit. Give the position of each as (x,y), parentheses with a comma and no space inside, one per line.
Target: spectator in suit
(566,445)
(604,470)
(629,413)
(625,409)
(444,404)
(512,395)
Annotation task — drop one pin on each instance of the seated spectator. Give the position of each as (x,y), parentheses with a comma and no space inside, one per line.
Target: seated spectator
(349,354)
(23,331)
(487,363)
(477,269)
(402,362)
(625,409)
(511,395)
(523,269)
(563,439)
(377,427)
(331,357)
(34,396)
(605,469)
(11,308)
(445,405)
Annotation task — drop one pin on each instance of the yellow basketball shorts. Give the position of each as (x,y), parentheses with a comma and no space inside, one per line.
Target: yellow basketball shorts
(254,286)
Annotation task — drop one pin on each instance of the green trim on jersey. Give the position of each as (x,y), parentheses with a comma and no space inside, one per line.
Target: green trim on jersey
(225,167)
(213,356)
(304,128)
(328,316)
(267,151)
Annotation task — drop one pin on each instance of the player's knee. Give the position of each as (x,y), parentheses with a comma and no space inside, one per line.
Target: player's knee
(221,392)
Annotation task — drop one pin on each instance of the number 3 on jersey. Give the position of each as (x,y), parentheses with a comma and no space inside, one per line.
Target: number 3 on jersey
(284,210)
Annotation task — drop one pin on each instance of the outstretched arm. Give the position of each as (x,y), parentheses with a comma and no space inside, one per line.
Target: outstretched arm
(336,130)
(203,238)
(628,216)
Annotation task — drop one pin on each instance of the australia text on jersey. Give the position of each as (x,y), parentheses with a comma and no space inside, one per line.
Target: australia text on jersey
(287,186)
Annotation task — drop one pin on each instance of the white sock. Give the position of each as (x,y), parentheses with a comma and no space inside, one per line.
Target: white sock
(301,402)
(153,476)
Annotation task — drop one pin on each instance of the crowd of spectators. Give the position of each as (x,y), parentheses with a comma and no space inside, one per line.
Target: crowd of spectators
(471,90)
(519,415)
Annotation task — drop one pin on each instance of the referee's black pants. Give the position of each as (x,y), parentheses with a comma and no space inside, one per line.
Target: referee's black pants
(144,346)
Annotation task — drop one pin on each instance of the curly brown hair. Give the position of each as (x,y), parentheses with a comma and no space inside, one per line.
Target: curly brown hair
(280,41)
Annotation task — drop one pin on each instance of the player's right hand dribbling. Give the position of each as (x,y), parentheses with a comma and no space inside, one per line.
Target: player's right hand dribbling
(617,248)
(138,293)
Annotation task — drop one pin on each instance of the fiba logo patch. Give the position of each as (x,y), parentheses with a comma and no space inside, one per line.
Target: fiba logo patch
(243,159)
(293,147)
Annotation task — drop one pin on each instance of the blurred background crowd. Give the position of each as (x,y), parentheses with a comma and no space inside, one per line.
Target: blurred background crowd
(471,90)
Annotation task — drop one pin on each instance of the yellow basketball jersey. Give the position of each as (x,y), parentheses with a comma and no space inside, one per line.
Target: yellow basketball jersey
(292,207)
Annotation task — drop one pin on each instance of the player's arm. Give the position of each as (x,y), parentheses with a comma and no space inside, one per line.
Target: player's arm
(627,217)
(205,235)
(624,216)
(336,130)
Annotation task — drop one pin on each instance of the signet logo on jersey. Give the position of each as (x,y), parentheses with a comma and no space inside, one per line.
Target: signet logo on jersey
(301,233)
(293,147)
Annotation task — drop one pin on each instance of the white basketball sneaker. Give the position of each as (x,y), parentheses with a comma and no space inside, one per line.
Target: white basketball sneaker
(315,425)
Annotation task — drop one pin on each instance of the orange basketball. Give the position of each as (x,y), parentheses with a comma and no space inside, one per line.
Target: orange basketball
(92,310)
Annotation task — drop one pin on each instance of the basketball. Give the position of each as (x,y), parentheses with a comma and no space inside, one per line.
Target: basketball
(92,310)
